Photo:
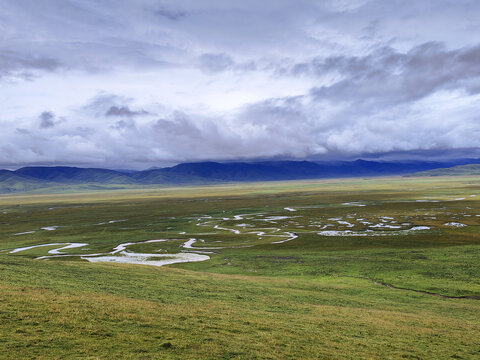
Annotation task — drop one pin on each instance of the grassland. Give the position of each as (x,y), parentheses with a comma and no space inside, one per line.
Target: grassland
(355,281)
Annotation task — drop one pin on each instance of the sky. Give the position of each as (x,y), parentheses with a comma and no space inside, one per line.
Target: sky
(140,83)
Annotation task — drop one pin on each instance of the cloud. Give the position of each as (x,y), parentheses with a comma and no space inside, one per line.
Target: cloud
(124,111)
(214,63)
(16,65)
(47,120)
(290,127)
(146,82)
(169,14)
(389,77)
(111,105)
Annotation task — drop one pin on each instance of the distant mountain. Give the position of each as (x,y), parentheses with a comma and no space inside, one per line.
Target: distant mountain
(38,177)
(294,170)
(125,171)
(461,170)
(74,175)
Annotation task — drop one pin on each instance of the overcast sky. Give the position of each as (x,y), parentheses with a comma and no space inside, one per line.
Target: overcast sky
(138,83)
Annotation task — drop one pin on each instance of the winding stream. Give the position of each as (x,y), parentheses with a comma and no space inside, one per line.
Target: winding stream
(119,254)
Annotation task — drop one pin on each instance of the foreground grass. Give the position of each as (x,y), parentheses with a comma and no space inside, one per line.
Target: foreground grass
(59,310)
(310,298)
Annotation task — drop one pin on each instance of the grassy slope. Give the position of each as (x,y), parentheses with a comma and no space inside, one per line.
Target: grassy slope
(11,182)
(461,170)
(72,175)
(308,298)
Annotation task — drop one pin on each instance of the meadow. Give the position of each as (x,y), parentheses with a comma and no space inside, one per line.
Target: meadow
(380,268)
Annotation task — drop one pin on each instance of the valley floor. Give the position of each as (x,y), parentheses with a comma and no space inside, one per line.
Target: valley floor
(332,269)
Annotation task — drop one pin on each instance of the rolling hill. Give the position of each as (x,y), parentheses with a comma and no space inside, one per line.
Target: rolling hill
(465,170)
(12,182)
(74,175)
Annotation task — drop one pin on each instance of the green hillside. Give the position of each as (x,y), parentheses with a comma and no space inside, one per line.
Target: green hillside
(12,182)
(460,170)
(73,175)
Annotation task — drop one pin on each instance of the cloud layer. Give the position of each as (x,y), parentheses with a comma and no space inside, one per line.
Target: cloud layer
(142,83)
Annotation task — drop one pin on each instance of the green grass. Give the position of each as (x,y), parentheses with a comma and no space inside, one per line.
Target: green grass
(460,170)
(314,297)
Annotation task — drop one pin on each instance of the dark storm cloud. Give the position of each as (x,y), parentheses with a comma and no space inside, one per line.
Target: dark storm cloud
(388,77)
(23,65)
(47,120)
(124,111)
(170,14)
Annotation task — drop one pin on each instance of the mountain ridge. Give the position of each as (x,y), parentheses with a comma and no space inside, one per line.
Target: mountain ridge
(211,172)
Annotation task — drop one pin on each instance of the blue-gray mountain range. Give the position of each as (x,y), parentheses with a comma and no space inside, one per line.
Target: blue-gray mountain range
(37,177)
